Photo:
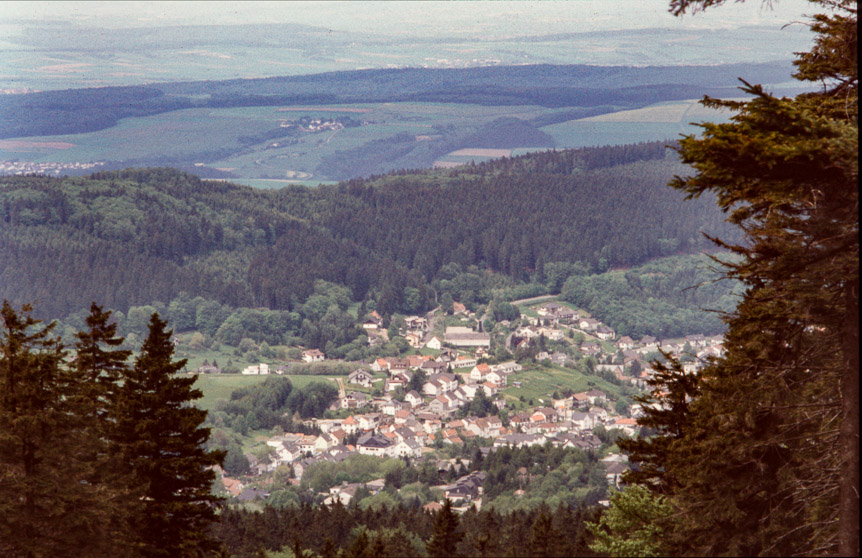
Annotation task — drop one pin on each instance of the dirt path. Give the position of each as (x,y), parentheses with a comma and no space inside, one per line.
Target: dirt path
(341,392)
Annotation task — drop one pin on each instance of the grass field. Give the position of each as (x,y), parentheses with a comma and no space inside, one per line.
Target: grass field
(541,382)
(220,386)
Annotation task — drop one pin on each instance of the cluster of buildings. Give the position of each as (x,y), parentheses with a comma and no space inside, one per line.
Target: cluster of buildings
(48,168)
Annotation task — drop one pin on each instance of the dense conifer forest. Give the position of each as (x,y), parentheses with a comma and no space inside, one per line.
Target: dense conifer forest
(138,236)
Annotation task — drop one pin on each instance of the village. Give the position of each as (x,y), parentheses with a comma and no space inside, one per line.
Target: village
(453,393)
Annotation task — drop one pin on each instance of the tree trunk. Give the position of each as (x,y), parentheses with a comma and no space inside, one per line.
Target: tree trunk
(848,499)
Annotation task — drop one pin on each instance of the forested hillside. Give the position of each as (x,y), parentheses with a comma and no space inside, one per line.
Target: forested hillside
(137,236)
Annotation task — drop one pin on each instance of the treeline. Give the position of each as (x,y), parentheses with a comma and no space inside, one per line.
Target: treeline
(405,531)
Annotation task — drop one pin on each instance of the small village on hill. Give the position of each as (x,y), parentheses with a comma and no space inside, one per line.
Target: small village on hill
(451,391)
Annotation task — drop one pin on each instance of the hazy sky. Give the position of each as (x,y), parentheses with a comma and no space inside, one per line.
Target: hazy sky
(417,18)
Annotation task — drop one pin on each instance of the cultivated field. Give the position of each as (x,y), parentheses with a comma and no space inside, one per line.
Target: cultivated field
(251,143)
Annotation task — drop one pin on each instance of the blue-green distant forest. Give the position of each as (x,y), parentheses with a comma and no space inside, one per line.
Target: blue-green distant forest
(74,111)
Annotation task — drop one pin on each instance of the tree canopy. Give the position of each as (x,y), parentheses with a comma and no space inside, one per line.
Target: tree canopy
(760,455)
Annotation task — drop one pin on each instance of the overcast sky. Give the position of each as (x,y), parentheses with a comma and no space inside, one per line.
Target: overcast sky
(416,18)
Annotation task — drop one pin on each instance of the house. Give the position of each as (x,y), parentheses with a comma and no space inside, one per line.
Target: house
(373,321)
(256,369)
(391,407)
(286,451)
(433,507)
(596,396)
(448,381)
(372,444)
(360,377)
(582,421)
(439,405)
(413,398)
(395,382)
(649,343)
(233,486)
(416,323)
(544,414)
(463,361)
(350,425)
(559,358)
(343,493)
(490,389)
(519,440)
(520,421)
(557,313)
(478,373)
(403,416)
(397,365)
(581,400)
(368,421)
(625,343)
(614,473)
(380,365)
(313,355)
(407,448)
(209,369)
(548,309)
(604,332)
(353,400)
(414,339)
(552,334)
(499,379)
(466,488)
(588,324)
(599,414)
(434,343)
(433,367)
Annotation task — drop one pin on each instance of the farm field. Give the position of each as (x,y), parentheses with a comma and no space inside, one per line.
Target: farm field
(254,146)
(661,121)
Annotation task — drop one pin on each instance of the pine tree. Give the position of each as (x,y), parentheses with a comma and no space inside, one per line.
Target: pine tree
(666,413)
(98,366)
(444,541)
(162,443)
(48,506)
(765,458)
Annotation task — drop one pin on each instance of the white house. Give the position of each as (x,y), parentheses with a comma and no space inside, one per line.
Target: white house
(256,369)
(313,355)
